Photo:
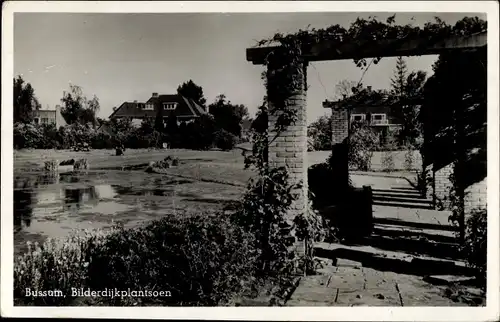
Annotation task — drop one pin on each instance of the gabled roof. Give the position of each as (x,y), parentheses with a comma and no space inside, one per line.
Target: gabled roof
(132,109)
(186,108)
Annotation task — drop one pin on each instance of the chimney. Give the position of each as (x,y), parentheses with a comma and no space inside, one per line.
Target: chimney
(369,88)
(135,101)
(155,94)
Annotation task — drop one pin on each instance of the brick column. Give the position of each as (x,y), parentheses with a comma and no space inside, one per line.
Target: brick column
(340,147)
(475,197)
(442,184)
(290,148)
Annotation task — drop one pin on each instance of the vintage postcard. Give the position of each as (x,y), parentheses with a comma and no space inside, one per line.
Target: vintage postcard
(274,160)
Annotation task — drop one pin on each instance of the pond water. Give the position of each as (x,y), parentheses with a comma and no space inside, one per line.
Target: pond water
(46,206)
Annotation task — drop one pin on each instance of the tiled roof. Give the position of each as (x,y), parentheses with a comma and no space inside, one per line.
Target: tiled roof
(186,108)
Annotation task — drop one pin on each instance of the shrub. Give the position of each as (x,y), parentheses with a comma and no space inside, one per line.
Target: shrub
(225,140)
(362,141)
(322,185)
(409,159)
(201,260)
(55,264)
(474,248)
(76,134)
(27,136)
(102,140)
(388,161)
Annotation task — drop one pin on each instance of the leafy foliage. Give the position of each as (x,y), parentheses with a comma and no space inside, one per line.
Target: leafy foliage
(225,140)
(227,116)
(192,91)
(25,101)
(320,131)
(362,141)
(285,76)
(454,118)
(77,108)
(475,246)
(201,260)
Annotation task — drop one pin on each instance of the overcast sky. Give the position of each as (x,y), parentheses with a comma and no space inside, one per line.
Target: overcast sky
(125,57)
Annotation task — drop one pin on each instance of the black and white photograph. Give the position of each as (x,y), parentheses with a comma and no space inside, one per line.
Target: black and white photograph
(185,155)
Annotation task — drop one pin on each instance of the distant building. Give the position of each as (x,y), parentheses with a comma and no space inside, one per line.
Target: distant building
(49,116)
(182,108)
(374,110)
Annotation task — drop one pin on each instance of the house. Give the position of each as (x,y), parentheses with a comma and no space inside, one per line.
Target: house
(374,109)
(184,109)
(49,116)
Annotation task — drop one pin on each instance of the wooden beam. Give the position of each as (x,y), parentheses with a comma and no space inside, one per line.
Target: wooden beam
(383,48)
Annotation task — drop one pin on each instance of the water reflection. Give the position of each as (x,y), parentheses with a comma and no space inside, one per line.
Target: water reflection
(76,197)
(48,197)
(23,211)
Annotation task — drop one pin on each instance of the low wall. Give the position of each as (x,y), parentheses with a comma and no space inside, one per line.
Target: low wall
(377,164)
(475,197)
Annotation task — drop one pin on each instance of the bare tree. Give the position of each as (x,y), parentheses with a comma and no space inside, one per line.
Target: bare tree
(345,89)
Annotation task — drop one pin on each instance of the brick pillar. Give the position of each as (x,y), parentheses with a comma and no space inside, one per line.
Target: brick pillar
(340,147)
(290,148)
(442,184)
(475,197)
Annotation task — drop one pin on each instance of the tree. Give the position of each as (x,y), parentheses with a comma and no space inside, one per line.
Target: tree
(320,131)
(147,126)
(25,101)
(77,108)
(454,116)
(398,82)
(191,90)
(227,116)
(407,90)
(344,89)
(159,122)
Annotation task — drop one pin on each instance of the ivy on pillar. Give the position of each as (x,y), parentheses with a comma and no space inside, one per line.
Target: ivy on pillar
(288,146)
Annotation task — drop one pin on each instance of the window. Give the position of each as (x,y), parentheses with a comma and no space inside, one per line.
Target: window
(45,120)
(149,106)
(357,117)
(169,106)
(379,118)
(37,120)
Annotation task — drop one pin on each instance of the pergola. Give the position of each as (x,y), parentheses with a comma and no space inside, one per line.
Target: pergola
(290,149)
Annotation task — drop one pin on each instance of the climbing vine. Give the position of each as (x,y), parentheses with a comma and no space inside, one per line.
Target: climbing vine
(269,195)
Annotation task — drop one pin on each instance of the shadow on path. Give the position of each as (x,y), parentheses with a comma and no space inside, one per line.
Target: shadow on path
(415,266)
(399,222)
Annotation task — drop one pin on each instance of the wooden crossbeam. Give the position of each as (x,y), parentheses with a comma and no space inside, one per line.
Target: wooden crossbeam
(383,48)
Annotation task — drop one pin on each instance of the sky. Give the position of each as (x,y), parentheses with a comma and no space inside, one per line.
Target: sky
(125,57)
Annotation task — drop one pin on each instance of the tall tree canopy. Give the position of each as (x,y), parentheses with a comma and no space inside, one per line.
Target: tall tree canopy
(25,101)
(407,88)
(228,116)
(190,90)
(77,108)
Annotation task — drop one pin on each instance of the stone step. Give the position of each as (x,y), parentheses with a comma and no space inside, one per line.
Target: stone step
(413,205)
(401,199)
(399,194)
(414,193)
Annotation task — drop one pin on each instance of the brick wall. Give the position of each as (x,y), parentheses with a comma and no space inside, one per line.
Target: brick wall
(340,131)
(290,149)
(475,197)
(442,183)
(340,125)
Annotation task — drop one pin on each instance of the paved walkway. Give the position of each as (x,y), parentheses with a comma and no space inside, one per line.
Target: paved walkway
(360,286)
(410,241)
